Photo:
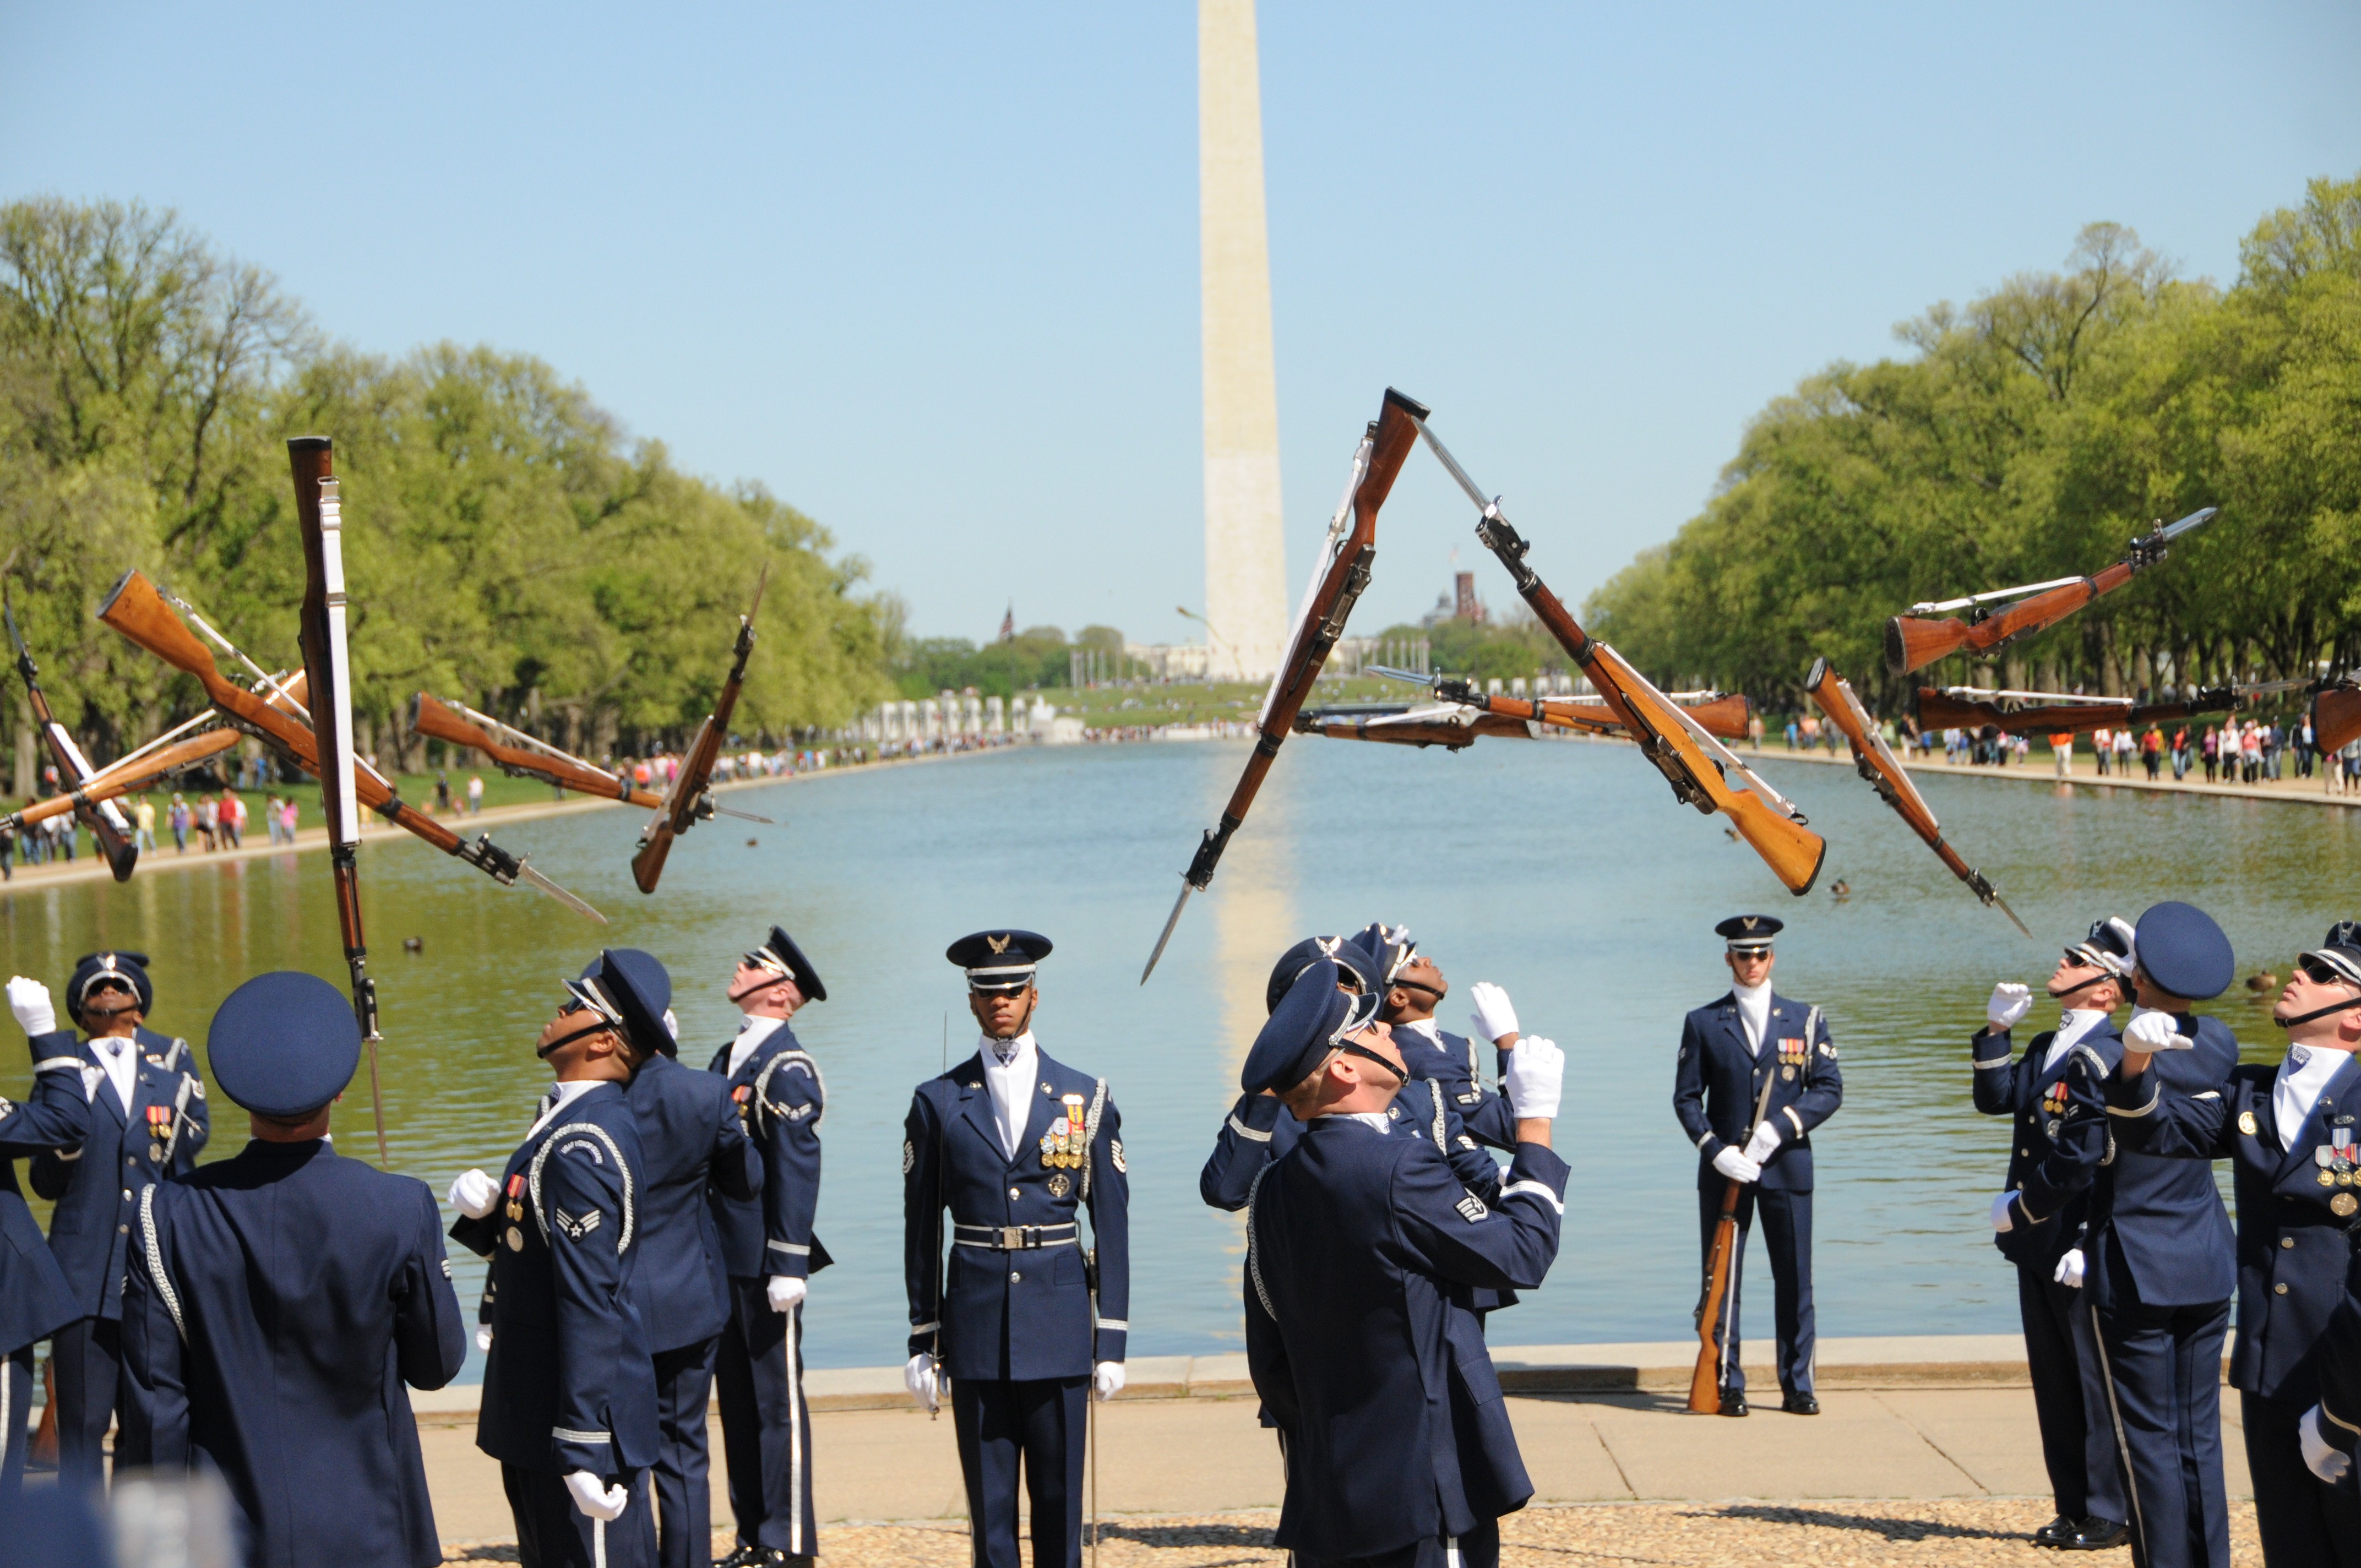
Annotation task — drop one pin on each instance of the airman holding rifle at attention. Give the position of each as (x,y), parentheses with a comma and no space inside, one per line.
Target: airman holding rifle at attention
(1757,1073)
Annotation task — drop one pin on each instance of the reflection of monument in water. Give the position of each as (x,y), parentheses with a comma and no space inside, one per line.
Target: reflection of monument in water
(1253,917)
(1246,557)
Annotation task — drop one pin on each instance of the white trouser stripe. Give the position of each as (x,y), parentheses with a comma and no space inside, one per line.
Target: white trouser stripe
(796,1547)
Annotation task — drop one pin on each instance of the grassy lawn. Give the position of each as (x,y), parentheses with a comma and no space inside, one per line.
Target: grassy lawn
(1101,707)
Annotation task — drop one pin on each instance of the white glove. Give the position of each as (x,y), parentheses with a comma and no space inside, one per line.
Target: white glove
(2010,1001)
(1106,1380)
(784,1293)
(1766,1139)
(1494,1018)
(30,1001)
(474,1194)
(1535,1080)
(595,1497)
(672,1024)
(920,1378)
(2321,1460)
(2152,1031)
(2069,1270)
(484,1338)
(1736,1165)
(2002,1222)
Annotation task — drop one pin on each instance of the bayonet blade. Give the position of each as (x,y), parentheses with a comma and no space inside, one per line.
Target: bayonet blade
(1187,887)
(1483,504)
(742,816)
(524,869)
(2001,904)
(2197,519)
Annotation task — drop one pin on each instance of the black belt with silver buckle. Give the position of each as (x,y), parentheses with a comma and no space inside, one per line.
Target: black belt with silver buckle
(1014,1238)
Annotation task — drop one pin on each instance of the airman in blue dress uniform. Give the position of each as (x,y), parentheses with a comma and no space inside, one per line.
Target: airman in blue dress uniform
(36,1300)
(769,1252)
(569,1402)
(1412,986)
(148,1122)
(1014,1147)
(1359,1242)
(2091,981)
(283,1302)
(1731,1050)
(2287,1132)
(2158,1250)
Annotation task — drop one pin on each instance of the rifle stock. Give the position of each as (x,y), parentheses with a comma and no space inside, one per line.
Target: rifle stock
(437,720)
(687,801)
(1704,1379)
(1421,730)
(2336,715)
(1937,709)
(655,847)
(1723,717)
(108,786)
(106,823)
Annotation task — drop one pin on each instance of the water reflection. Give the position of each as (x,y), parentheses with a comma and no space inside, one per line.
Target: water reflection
(1564,873)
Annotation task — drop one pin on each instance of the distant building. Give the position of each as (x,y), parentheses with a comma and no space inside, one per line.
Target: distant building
(1459,604)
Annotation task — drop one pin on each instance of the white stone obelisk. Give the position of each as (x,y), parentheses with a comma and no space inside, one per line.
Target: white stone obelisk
(1245,551)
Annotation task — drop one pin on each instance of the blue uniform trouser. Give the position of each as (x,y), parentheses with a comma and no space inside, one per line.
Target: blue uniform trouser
(1043,1423)
(681,1478)
(552,1533)
(1479,1548)
(765,1425)
(2164,1369)
(16,1398)
(2301,1520)
(2069,1397)
(1787,1236)
(88,1355)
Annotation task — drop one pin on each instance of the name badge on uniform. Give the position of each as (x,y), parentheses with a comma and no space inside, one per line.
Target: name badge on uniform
(1792,1052)
(1062,1145)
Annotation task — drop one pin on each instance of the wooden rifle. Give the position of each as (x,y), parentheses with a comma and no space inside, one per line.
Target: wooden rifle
(105,821)
(1706,1379)
(521,756)
(1875,761)
(1339,574)
(1692,761)
(2059,713)
(1455,728)
(688,801)
(114,782)
(136,608)
(2336,715)
(328,678)
(1912,644)
(1724,717)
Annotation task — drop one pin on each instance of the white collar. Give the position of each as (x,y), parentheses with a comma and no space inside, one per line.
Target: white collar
(560,1096)
(2302,1075)
(1426,1027)
(1377,1119)
(1753,1013)
(1019,1048)
(752,1032)
(2073,1023)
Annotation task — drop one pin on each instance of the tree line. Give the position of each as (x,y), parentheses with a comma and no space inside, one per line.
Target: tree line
(506,543)
(2030,436)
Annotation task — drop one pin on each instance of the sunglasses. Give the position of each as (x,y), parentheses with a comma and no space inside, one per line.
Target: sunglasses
(2322,973)
(1408,984)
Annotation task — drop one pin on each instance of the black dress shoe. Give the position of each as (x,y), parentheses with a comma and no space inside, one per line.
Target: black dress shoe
(2057,1532)
(1800,1405)
(740,1557)
(2100,1535)
(1733,1401)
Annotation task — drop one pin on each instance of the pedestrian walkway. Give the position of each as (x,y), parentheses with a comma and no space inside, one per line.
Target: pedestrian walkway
(2040,769)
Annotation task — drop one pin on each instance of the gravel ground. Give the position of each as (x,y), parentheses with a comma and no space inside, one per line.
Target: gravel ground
(1986,1533)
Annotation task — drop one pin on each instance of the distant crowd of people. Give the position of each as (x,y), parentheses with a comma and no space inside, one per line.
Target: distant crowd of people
(2235,753)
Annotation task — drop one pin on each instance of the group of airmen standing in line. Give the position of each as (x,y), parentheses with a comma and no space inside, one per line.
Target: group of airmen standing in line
(652,1237)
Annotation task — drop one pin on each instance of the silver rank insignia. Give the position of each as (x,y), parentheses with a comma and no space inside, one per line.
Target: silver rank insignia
(575,1229)
(1059,1186)
(909,1157)
(1114,1156)
(1471,1209)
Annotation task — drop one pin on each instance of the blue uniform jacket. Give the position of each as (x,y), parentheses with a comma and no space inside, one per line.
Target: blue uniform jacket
(1355,1242)
(278,1301)
(2294,1248)
(96,1184)
(695,1150)
(1453,1064)
(1024,1313)
(36,1300)
(570,1385)
(780,1101)
(1718,1082)
(2337,1368)
(2153,1220)
(2036,1100)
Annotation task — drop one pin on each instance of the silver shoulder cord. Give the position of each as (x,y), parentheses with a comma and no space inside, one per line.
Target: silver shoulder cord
(801,1059)
(1254,1247)
(541,1157)
(1435,1093)
(1091,1135)
(156,1261)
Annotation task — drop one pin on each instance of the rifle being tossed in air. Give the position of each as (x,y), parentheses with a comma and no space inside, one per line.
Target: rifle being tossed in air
(1724,716)
(2060,713)
(1338,575)
(522,756)
(1875,762)
(1912,643)
(1693,763)
(104,819)
(688,801)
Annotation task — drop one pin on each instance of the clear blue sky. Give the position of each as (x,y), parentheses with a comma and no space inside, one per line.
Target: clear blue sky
(930,272)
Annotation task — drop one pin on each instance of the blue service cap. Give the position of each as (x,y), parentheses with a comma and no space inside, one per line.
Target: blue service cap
(284,1044)
(1361,969)
(2184,952)
(1750,933)
(1389,948)
(629,990)
(1305,1025)
(781,957)
(95,970)
(999,960)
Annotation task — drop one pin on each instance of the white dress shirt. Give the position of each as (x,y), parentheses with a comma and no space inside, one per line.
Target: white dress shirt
(559,1097)
(1009,1072)
(2304,1073)
(750,1035)
(119,1054)
(2073,1024)
(1753,1013)
(1377,1119)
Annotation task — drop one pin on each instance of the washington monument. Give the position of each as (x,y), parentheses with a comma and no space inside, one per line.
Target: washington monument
(1246,552)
